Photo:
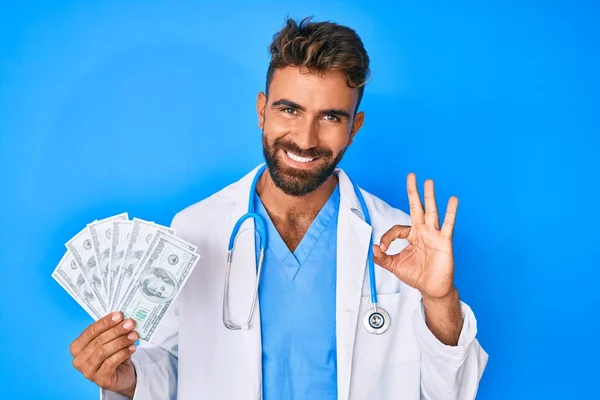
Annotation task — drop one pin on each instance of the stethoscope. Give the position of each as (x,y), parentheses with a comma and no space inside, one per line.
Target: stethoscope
(376,320)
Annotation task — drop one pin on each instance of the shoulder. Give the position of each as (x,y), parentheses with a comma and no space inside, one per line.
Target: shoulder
(213,207)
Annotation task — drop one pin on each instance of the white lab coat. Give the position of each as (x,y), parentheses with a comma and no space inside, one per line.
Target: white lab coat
(193,356)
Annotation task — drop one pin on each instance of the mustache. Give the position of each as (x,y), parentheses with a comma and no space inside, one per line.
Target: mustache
(292,147)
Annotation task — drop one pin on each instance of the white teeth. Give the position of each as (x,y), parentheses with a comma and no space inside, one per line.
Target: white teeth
(298,158)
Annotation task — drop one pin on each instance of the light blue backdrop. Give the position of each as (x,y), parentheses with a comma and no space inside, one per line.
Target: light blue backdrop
(147,107)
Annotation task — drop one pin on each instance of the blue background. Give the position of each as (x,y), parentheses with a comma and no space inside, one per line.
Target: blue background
(148,107)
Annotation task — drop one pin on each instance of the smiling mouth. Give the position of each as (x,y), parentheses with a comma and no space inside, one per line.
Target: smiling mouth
(299,159)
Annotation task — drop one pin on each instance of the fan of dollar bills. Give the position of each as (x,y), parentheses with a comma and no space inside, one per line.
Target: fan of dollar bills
(134,266)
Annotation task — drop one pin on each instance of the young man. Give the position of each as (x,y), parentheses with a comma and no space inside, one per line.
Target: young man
(314,333)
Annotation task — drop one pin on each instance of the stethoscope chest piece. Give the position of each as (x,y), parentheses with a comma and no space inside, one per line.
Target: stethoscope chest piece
(377,321)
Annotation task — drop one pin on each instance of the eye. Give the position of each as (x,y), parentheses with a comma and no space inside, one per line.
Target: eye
(333,118)
(289,110)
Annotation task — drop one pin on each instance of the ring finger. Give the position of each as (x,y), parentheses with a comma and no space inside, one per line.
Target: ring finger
(107,350)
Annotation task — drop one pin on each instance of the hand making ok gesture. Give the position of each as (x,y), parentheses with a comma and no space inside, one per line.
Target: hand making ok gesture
(427,263)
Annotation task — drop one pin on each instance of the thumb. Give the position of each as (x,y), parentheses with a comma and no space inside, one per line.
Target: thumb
(395,232)
(396,263)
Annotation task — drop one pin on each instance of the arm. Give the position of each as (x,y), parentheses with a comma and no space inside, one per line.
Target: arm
(452,361)
(444,318)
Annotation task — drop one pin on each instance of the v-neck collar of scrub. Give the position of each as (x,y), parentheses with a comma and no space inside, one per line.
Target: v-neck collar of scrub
(293,261)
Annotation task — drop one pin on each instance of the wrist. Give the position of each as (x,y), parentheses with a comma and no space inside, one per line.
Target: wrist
(432,302)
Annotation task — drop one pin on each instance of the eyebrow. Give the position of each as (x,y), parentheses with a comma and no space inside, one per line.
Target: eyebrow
(338,112)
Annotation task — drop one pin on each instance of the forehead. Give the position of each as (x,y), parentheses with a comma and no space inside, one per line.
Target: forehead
(313,90)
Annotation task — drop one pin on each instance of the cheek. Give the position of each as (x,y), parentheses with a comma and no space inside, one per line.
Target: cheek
(278,125)
(335,138)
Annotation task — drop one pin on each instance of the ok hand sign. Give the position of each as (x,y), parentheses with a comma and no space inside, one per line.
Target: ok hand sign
(427,263)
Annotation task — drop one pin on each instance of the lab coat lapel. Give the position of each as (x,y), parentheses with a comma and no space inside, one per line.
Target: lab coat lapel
(353,242)
(242,283)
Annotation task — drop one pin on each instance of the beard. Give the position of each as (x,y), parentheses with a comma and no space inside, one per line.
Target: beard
(297,182)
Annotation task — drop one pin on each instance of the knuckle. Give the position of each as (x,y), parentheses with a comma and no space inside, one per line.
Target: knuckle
(87,374)
(124,341)
(97,342)
(73,349)
(101,375)
(117,330)
(104,352)
(110,362)
(76,364)
(123,355)
(96,355)
(102,382)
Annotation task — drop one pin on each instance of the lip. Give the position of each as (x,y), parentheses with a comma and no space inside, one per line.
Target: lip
(296,164)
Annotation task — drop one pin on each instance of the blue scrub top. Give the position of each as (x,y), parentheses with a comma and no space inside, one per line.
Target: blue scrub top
(297,309)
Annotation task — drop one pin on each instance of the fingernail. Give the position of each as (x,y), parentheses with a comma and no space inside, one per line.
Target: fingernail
(116,317)
(132,347)
(128,325)
(131,336)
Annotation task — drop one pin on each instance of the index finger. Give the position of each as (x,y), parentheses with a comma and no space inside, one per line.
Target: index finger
(94,330)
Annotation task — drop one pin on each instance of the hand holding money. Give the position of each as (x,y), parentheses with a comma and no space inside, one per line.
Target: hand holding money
(136,267)
(102,354)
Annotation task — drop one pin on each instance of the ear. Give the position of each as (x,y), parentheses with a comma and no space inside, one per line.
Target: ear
(261,103)
(356,125)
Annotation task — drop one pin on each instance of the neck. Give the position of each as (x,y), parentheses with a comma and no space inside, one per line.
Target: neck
(284,206)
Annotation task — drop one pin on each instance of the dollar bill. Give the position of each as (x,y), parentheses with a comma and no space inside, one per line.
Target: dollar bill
(121,232)
(142,234)
(159,235)
(101,232)
(162,275)
(69,276)
(82,250)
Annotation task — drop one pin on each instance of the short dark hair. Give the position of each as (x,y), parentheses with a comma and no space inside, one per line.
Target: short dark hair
(320,47)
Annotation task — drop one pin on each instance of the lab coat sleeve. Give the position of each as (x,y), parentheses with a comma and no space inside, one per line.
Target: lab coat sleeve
(155,362)
(449,372)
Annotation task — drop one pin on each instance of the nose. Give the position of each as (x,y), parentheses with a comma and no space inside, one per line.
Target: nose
(306,134)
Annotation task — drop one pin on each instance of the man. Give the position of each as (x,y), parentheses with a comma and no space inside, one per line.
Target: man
(309,336)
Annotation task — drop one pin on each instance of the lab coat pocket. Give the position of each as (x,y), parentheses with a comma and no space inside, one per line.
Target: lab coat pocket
(397,344)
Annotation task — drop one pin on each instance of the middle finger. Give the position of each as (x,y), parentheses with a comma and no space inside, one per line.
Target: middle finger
(102,353)
(431,212)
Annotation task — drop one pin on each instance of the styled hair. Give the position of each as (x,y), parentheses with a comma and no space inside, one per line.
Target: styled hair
(320,47)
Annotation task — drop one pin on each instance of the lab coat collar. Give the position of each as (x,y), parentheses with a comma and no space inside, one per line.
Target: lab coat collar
(353,243)
(239,192)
